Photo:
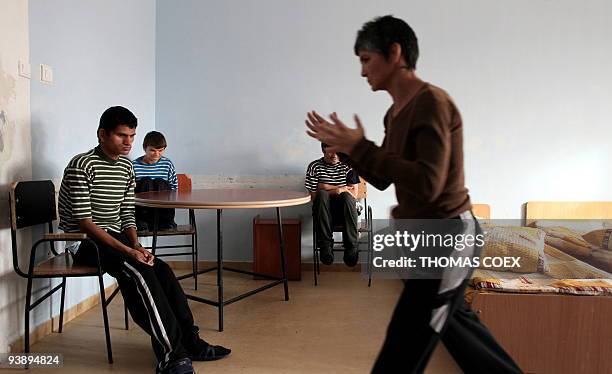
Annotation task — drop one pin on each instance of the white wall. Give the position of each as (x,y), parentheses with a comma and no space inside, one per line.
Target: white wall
(15,159)
(102,54)
(531,78)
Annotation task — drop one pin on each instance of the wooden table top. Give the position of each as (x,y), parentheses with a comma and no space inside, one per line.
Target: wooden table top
(222,198)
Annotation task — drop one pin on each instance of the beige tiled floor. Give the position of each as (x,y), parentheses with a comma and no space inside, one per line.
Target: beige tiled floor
(336,327)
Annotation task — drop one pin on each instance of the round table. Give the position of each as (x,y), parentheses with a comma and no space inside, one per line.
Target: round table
(219,199)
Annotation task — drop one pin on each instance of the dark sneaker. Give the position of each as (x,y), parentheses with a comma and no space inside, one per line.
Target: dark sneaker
(327,255)
(200,350)
(351,257)
(211,353)
(180,366)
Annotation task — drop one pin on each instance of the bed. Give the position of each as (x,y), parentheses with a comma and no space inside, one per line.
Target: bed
(548,332)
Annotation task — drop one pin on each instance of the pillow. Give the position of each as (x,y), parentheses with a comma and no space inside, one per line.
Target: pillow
(515,241)
(574,270)
(568,240)
(601,259)
(580,225)
(599,238)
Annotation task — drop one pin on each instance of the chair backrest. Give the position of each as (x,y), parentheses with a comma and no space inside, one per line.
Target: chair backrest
(184,182)
(362,191)
(32,203)
(482,211)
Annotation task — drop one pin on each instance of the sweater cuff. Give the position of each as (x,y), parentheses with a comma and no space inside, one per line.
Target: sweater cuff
(361,150)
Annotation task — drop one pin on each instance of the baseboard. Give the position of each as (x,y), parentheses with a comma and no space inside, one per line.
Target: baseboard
(52,325)
(246,265)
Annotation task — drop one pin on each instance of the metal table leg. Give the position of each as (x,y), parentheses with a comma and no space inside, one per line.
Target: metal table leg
(220,266)
(282,251)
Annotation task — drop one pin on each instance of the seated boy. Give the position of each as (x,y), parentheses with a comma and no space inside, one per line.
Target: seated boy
(334,186)
(154,172)
(97,198)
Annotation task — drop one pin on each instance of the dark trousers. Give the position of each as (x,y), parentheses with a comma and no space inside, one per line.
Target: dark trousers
(153,296)
(411,340)
(145,217)
(329,210)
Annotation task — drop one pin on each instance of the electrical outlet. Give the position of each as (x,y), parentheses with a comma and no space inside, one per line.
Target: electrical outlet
(46,74)
(24,69)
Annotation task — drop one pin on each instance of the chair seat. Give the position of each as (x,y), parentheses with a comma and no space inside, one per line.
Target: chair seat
(180,230)
(62,265)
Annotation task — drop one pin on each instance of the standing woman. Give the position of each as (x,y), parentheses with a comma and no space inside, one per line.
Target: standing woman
(422,155)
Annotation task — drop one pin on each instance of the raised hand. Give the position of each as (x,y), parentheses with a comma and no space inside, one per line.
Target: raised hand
(339,137)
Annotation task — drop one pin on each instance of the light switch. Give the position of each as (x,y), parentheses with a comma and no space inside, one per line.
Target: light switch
(24,69)
(46,73)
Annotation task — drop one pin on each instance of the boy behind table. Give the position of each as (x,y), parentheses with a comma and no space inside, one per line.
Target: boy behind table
(97,198)
(154,172)
(333,186)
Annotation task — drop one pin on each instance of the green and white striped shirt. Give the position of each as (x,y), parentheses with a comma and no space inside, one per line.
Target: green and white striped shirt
(99,188)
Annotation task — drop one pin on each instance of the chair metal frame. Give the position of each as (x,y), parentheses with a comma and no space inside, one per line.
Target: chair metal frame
(184,184)
(19,221)
(365,227)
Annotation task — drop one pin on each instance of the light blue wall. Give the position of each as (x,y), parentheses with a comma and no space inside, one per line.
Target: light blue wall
(235,79)
(102,54)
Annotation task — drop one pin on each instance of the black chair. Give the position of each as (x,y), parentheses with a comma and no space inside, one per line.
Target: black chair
(365,235)
(184,185)
(31,204)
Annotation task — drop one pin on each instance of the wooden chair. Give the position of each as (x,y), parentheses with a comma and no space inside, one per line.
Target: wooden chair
(481,211)
(365,228)
(32,203)
(184,185)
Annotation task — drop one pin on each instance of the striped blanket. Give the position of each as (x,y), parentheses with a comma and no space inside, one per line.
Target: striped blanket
(566,275)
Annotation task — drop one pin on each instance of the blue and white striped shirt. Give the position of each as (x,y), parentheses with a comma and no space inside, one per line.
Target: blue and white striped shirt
(162,169)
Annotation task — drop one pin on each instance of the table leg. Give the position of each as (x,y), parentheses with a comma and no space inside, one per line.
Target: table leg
(155,228)
(282,251)
(220,266)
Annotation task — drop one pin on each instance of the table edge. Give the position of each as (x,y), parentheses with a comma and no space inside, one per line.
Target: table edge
(223,205)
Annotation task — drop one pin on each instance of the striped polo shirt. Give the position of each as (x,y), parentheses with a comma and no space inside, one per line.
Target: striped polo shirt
(162,169)
(319,171)
(97,187)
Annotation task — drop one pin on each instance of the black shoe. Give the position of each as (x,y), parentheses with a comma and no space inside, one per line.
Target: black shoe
(351,257)
(211,353)
(200,350)
(327,255)
(180,366)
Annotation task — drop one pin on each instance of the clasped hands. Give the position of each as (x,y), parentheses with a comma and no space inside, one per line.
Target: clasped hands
(336,190)
(339,137)
(140,254)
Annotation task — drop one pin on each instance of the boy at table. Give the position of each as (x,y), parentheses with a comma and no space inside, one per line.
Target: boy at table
(333,186)
(97,197)
(154,172)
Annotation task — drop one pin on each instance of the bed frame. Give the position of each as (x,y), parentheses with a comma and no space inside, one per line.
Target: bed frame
(546,333)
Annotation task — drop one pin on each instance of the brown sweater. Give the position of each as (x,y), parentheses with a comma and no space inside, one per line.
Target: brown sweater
(422,155)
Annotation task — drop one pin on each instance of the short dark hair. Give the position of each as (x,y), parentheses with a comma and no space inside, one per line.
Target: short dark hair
(154,139)
(379,34)
(116,116)
(323,146)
